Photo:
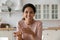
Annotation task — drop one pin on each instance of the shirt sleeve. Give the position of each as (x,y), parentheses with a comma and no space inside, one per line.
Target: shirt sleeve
(39,31)
(19,27)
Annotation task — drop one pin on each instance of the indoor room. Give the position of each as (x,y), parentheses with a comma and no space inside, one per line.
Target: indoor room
(47,11)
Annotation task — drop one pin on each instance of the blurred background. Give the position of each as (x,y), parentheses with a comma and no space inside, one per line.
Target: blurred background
(48,11)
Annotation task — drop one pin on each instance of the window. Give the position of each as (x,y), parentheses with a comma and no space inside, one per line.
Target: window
(46,11)
(54,11)
(38,13)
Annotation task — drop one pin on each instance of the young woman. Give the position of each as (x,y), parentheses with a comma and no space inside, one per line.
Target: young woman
(28,28)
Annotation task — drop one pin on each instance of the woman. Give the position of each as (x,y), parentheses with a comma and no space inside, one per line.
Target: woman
(28,28)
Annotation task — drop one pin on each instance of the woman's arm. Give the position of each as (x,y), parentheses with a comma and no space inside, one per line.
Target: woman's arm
(19,32)
(39,31)
(28,31)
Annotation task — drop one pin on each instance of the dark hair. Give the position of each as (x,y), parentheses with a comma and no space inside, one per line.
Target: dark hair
(29,5)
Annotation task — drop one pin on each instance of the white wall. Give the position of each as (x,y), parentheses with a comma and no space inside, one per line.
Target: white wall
(12,20)
(51,23)
(42,1)
(17,15)
(16,4)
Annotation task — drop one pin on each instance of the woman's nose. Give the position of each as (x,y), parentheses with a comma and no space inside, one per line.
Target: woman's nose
(29,14)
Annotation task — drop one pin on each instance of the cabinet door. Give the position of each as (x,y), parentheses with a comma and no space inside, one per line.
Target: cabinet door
(51,35)
(47,11)
(8,34)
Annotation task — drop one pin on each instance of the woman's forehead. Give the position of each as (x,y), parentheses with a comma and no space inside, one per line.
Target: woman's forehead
(29,9)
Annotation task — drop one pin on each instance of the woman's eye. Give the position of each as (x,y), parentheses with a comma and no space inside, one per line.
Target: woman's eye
(26,12)
(31,12)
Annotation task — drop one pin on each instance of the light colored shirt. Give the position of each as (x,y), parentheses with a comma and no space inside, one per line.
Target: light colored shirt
(36,27)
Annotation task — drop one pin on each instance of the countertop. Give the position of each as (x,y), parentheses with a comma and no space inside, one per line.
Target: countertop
(1,29)
(52,28)
(48,28)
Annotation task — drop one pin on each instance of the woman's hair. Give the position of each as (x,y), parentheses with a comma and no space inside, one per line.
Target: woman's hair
(28,5)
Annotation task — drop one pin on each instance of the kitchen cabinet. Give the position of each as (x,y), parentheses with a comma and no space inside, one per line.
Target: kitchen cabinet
(51,34)
(47,12)
(4,32)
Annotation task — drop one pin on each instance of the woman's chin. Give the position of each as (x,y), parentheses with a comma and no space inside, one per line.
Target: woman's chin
(28,19)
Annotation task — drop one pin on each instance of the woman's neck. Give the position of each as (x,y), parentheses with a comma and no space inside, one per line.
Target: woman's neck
(28,22)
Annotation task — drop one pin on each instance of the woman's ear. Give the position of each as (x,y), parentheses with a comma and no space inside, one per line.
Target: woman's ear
(23,15)
(34,15)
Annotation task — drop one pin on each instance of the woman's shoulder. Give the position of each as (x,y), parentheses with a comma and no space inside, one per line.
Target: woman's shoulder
(20,22)
(39,24)
(38,21)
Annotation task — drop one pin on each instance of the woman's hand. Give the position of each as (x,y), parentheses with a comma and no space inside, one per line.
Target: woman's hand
(28,31)
(17,34)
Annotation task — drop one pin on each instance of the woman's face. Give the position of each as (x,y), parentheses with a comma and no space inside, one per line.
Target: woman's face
(28,13)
